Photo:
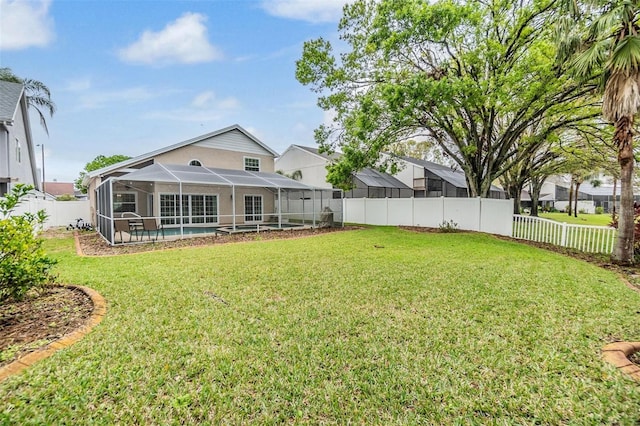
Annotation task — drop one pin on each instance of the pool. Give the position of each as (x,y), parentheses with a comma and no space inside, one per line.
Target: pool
(227,229)
(191,230)
(258,227)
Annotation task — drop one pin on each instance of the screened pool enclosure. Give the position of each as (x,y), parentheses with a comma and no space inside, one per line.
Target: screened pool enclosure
(189,200)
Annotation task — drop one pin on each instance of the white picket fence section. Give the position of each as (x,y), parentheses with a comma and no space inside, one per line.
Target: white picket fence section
(586,238)
(472,214)
(60,213)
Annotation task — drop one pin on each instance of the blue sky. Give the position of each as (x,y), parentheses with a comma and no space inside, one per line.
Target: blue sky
(129,77)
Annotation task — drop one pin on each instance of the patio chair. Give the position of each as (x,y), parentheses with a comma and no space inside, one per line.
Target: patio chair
(151,224)
(121,226)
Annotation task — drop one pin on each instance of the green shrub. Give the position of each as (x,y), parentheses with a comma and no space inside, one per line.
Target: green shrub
(448,226)
(599,210)
(23,262)
(66,197)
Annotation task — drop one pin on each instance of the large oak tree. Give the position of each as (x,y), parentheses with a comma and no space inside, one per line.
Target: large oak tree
(471,77)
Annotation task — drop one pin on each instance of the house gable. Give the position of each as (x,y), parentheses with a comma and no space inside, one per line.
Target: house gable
(18,164)
(233,139)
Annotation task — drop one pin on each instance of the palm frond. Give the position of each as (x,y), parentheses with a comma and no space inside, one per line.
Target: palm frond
(592,59)
(626,56)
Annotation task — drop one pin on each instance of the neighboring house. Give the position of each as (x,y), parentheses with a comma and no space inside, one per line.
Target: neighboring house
(555,193)
(219,180)
(17,156)
(429,179)
(57,189)
(311,163)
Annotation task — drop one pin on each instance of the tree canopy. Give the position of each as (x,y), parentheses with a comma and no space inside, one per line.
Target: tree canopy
(473,78)
(97,163)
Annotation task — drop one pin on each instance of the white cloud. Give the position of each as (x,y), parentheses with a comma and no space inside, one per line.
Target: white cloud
(306,10)
(204,108)
(209,100)
(99,99)
(25,24)
(78,84)
(182,41)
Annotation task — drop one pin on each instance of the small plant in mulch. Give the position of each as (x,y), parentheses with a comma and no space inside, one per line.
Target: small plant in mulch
(448,226)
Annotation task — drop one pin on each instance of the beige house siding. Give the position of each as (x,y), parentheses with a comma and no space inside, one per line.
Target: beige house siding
(212,157)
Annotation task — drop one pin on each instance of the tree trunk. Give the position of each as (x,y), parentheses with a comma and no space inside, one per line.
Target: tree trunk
(535,187)
(570,197)
(623,250)
(575,206)
(615,196)
(514,193)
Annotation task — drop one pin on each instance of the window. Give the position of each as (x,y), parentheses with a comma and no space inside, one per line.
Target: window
(195,163)
(18,151)
(124,202)
(251,164)
(168,209)
(253,208)
(195,209)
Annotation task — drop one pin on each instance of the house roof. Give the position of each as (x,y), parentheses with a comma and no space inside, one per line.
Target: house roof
(376,179)
(317,152)
(10,94)
(145,157)
(59,188)
(174,173)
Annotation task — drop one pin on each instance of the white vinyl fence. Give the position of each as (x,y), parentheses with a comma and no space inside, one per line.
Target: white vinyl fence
(472,214)
(590,239)
(61,213)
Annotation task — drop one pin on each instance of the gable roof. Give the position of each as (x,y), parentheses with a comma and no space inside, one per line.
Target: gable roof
(148,156)
(10,94)
(316,152)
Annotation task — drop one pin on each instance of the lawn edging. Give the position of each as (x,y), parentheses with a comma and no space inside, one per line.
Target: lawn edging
(618,354)
(97,314)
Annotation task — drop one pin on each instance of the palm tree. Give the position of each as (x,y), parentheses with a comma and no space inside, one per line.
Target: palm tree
(38,94)
(608,48)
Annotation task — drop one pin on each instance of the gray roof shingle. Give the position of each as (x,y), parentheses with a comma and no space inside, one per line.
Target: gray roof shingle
(10,94)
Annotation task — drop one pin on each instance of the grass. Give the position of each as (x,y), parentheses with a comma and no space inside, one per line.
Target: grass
(582,219)
(377,326)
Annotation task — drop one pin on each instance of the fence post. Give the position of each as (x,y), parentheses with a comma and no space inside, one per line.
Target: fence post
(386,221)
(413,211)
(563,236)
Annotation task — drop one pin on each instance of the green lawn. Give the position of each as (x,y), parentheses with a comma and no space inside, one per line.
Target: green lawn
(376,326)
(582,219)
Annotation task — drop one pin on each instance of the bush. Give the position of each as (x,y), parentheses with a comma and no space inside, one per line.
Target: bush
(23,263)
(599,210)
(448,226)
(66,197)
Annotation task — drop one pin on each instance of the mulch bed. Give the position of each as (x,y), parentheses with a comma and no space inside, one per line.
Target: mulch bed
(92,244)
(40,319)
